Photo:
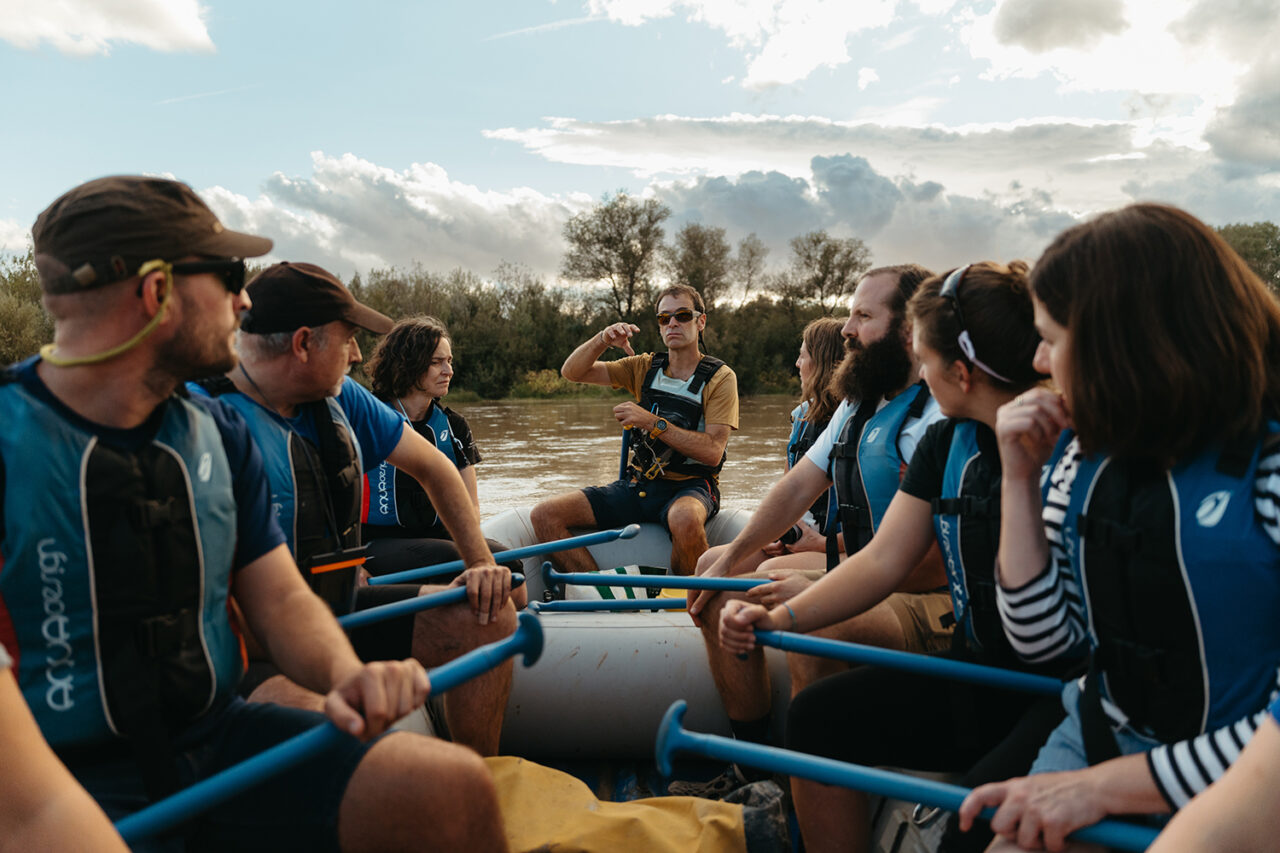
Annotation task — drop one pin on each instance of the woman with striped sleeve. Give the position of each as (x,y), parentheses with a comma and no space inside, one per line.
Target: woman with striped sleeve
(1153,541)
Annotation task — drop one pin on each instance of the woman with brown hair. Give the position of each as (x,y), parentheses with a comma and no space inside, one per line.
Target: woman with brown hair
(1153,541)
(411,370)
(974,338)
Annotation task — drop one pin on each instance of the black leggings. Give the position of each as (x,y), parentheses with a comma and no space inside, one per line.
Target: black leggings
(882,717)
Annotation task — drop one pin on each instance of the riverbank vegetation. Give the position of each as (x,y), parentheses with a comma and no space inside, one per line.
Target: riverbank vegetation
(512,329)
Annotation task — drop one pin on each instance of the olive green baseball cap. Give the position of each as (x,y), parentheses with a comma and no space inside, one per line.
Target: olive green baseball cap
(104,230)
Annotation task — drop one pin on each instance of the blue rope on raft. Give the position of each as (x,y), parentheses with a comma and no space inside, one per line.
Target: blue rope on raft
(991,676)
(457,595)
(597,538)
(217,789)
(674,738)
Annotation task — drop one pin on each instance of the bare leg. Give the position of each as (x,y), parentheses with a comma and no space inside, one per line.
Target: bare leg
(474,710)
(878,626)
(687,521)
(743,685)
(416,793)
(551,520)
(713,553)
(831,818)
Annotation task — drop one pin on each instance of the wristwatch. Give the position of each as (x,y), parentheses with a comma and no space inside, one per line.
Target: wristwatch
(659,426)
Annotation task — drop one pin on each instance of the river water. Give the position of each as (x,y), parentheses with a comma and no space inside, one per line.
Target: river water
(536,448)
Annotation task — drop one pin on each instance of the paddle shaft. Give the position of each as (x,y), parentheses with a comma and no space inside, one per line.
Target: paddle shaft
(672,738)
(656,581)
(220,787)
(457,595)
(603,605)
(597,538)
(990,676)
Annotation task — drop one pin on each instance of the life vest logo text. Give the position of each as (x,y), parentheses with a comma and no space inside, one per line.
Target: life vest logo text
(59,664)
(1212,508)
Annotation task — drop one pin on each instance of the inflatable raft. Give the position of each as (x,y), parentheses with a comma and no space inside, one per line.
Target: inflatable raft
(605,679)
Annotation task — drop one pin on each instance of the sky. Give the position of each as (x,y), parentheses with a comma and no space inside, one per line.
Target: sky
(465,134)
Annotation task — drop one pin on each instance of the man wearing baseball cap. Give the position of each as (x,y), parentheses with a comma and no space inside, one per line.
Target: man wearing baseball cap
(130,515)
(319,432)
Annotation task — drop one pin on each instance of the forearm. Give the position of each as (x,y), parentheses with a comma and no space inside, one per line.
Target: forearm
(1125,786)
(1024,549)
(784,504)
(302,638)
(578,365)
(461,519)
(698,446)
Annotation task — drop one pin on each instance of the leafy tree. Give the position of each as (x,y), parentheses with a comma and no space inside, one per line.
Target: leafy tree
(825,269)
(749,265)
(700,259)
(618,241)
(24,325)
(1259,245)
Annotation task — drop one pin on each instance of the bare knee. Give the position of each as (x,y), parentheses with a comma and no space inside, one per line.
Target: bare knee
(411,792)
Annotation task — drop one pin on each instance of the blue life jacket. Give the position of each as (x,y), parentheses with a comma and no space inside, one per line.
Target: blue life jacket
(680,404)
(866,466)
(804,434)
(397,503)
(114,605)
(1182,586)
(966,522)
(316,491)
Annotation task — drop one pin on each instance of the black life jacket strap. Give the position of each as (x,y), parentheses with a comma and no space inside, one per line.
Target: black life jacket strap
(135,689)
(1095,729)
(967,506)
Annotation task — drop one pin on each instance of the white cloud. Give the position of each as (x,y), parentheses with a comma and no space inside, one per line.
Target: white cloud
(867,76)
(14,237)
(784,40)
(1165,48)
(1083,164)
(352,214)
(87,27)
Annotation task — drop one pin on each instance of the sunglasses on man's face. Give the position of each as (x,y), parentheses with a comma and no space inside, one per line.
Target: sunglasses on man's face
(229,270)
(684,315)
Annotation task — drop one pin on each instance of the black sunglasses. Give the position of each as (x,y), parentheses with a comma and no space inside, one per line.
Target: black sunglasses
(684,315)
(230,270)
(951,292)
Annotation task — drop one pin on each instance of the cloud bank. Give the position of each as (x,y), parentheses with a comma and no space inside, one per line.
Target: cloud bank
(90,27)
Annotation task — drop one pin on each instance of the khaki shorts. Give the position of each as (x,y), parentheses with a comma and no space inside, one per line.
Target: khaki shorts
(927,619)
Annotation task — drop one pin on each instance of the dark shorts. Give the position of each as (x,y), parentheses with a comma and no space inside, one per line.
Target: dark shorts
(297,810)
(624,502)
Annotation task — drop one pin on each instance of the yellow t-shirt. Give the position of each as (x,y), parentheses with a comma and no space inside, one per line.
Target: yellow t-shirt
(719,395)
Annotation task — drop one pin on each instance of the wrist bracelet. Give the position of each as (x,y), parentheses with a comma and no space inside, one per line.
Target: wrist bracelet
(600,335)
(794,620)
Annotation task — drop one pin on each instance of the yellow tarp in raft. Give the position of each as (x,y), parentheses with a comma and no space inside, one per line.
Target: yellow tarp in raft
(546,810)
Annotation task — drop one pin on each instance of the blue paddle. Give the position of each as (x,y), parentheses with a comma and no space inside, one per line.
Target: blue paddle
(628,532)
(413,605)
(220,787)
(674,738)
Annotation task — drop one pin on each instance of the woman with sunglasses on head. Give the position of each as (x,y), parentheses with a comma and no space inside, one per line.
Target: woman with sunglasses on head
(1154,541)
(974,338)
(410,370)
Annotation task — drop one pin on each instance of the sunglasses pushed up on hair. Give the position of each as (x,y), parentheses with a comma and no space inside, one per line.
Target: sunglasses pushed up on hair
(684,315)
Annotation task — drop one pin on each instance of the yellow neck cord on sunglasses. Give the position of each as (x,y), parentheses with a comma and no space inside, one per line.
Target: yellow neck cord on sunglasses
(48,352)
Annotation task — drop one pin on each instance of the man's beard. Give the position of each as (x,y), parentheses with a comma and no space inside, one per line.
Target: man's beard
(191,354)
(869,372)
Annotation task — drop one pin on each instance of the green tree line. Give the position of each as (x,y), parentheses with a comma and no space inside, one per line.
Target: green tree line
(512,329)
